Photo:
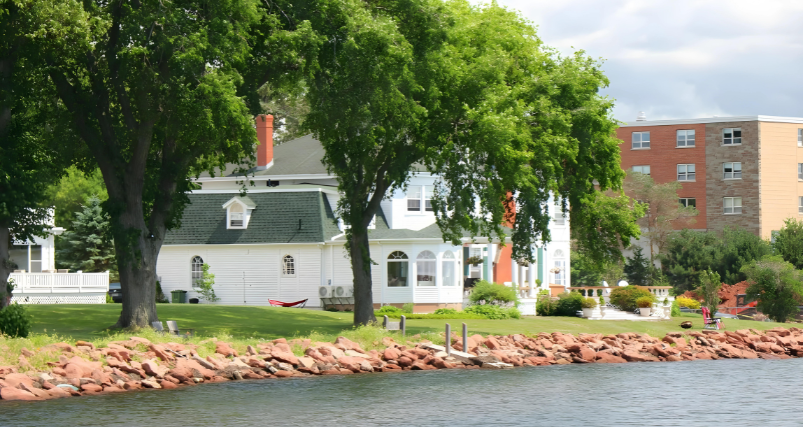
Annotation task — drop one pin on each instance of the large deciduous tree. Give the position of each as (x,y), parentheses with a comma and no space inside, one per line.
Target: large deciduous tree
(777,287)
(30,131)
(471,94)
(788,242)
(152,89)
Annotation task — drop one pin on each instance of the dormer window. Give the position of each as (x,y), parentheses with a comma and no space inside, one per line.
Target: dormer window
(238,212)
(236,216)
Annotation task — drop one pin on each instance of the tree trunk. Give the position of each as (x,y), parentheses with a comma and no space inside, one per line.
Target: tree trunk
(5,267)
(361,268)
(138,283)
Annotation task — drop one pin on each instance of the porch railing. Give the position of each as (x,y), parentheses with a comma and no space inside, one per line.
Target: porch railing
(60,283)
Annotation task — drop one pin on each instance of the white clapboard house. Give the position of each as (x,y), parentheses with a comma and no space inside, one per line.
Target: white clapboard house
(282,241)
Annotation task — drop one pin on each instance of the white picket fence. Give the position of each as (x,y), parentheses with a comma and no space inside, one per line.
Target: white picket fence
(60,288)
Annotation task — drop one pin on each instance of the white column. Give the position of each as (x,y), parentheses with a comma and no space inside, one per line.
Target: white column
(532,279)
(514,273)
(490,269)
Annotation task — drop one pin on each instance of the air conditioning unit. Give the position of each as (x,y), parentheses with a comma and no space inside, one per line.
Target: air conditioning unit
(325,291)
(344,291)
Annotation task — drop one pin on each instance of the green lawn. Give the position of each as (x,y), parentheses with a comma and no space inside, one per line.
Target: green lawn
(92,321)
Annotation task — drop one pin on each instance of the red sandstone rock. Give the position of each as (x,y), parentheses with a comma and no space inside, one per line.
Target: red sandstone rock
(225,349)
(492,343)
(632,356)
(10,393)
(391,354)
(92,388)
(14,380)
(284,356)
(606,357)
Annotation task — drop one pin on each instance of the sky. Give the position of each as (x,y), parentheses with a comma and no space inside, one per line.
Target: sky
(681,59)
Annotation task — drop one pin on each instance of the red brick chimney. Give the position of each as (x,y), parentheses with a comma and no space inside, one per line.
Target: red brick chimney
(265,137)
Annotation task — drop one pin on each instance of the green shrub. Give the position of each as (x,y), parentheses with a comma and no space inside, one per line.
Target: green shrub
(493,293)
(625,297)
(569,303)
(389,309)
(408,307)
(15,321)
(688,302)
(589,303)
(601,301)
(514,313)
(644,302)
(445,311)
(675,311)
(109,299)
(546,305)
(494,312)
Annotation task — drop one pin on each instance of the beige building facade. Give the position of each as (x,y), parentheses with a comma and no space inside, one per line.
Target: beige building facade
(750,168)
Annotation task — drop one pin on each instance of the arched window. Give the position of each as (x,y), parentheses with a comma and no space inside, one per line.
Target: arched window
(236,216)
(196,271)
(288,266)
(426,266)
(397,269)
(449,269)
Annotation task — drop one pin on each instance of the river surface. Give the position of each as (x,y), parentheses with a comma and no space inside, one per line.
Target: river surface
(710,393)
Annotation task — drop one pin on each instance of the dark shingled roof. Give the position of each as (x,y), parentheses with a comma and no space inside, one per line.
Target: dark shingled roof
(275,220)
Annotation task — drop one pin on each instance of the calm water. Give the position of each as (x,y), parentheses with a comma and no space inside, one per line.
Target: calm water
(723,392)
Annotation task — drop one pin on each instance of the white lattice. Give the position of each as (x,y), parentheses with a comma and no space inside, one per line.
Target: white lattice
(59,299)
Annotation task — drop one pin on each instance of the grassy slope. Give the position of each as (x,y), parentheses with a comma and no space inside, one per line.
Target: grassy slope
(91,321)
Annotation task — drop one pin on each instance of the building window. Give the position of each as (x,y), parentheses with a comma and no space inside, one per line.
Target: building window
(236,216)
(197,271)
(800,205)
(685,138)
(686,202)
(731,136)
(800,171)
(732,205)
(429,190)
(425,266)
(558,218)
(732,170)
(641,140)
(288,266)
(685,172)
(397,269)
(642,169)
(449,269)
(414,198)
(800,137)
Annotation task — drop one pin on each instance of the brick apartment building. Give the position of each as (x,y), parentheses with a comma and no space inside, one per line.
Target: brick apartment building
(737,171)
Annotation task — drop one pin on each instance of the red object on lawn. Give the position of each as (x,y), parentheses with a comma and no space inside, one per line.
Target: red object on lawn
(299,304)
(709,321)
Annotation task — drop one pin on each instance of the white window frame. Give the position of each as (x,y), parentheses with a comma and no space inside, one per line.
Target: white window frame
(400,257)
(733,139)
(800,205)
(448,258)
(558,218)
(641,169)
(683,136)
(684,201)
(733,209)
(410,196)
(429,190)
(640,144)
(429,259)
(196,270)
(232,216)
(687,175)
(800,171)
(289,266)
(800,137)
(735,170)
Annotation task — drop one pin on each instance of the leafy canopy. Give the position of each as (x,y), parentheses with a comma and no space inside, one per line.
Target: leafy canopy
(788,242)
(776,286)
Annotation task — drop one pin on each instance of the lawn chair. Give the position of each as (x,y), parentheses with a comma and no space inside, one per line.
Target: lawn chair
(158,327)
(172,326)
(709,321)
(297,304)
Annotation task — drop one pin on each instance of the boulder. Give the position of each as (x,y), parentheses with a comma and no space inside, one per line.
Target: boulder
(153,369)
(607,357)
(139,340)
(15,380)
(284,356)
(633,356)
(225,349)
(92,388)
(10,393)
(391,353)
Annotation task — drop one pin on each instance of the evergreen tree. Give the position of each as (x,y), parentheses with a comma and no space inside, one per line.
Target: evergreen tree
(638,269)
(88,246)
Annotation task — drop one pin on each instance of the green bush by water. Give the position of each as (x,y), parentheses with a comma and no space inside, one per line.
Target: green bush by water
(15,321)
(493,293)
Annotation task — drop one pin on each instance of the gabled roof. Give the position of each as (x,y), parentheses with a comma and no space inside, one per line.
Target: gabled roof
(282,217)
(245,200)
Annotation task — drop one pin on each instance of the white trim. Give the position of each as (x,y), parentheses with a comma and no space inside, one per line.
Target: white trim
(299,189)
(775,119)
(266,167)
(250,177)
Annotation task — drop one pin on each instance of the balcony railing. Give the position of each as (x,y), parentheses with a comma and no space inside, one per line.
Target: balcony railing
(60,283)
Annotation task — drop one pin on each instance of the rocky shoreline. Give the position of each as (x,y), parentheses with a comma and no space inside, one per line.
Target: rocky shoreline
(81,369)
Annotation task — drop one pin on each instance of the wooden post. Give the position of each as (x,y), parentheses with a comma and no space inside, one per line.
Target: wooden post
(465,338)
(403,325)
(448,343)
